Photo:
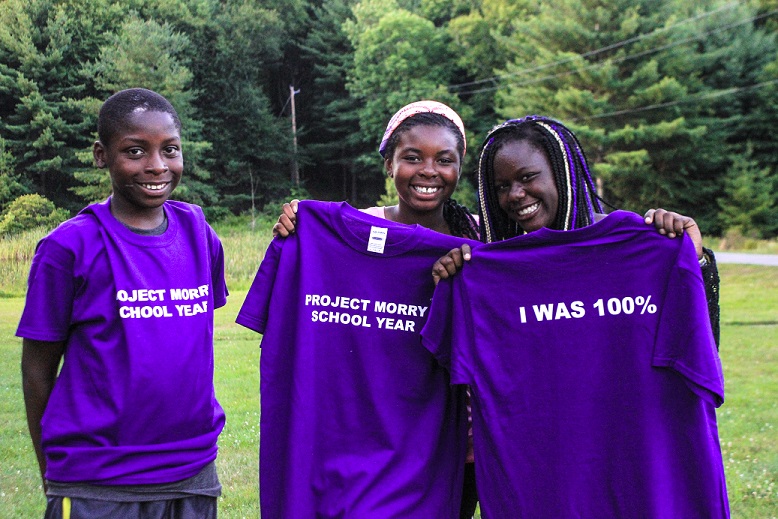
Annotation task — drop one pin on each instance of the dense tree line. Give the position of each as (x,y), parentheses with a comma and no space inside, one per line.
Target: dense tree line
(675,101)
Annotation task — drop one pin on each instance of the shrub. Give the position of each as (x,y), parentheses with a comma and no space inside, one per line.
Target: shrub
(29,211)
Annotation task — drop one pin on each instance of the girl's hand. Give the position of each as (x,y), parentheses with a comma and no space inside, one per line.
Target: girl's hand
(287,221)
(451,263)
(673,224)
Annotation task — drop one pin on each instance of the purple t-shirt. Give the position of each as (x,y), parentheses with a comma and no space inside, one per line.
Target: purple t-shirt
(358,419)
(134,402)
(593,370)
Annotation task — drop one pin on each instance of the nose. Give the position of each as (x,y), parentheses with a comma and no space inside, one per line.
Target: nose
(428,168)
(517,191)
(157,164)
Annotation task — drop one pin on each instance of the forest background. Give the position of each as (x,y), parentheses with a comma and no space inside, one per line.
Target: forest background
(674,101)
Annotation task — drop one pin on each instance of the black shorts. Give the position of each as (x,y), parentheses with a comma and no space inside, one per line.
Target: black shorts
(200,507)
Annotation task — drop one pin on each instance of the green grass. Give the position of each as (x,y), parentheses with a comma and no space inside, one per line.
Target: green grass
(747,420)
(15,255)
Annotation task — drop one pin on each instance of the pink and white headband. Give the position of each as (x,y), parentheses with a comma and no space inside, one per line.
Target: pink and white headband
(416,108)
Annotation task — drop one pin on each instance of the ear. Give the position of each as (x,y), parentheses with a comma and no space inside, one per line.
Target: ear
(98,152)
(388,168)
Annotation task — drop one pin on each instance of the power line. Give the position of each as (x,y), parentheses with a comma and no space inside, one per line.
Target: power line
(626,58)
(623,58)
(690,99)
(600,50)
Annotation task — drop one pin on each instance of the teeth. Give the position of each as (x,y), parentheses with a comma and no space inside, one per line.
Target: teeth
(528,210)
(153,187)
(426,190)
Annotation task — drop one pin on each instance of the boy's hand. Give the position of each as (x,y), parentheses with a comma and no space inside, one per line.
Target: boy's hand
(673,224)
(287,221)
(451,263)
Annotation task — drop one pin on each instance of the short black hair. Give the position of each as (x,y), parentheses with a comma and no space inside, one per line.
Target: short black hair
(117,108)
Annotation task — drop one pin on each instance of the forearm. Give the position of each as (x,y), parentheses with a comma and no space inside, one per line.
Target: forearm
(40,362)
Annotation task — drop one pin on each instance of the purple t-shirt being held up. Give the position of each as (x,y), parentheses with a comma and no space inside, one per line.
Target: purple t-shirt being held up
(358,419)
(593,372)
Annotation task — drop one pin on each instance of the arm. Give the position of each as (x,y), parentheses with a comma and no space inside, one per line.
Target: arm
(451,263)
(710,275)
(674,224)
(40,361)
(287,221)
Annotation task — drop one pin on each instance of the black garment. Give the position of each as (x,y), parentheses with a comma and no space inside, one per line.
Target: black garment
(710,275)
(469,493)
(200,507)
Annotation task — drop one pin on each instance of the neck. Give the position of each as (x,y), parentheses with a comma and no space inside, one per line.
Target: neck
(430,219)
(137,217)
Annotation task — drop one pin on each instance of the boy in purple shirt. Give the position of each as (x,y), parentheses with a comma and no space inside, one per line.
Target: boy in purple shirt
(125,293)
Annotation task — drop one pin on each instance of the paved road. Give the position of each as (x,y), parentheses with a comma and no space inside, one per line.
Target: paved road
(746,258)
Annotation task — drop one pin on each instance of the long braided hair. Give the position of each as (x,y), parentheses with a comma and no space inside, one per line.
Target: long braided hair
(459,219)
(578,200)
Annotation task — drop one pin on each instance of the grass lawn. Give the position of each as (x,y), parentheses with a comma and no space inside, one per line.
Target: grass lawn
(747,420)
(237,388)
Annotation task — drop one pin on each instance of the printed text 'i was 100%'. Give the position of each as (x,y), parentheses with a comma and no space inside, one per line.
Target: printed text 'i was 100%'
(639,305)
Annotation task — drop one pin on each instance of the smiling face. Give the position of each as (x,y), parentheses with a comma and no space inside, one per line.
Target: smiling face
(145,162)
(525,186)
(425,167)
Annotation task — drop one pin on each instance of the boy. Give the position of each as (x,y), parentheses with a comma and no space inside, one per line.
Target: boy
(125,292)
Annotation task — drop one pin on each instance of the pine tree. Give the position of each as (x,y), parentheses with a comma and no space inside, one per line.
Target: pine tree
(42,117)
(633,80)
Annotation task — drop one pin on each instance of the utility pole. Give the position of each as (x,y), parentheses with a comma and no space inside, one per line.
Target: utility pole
(295,169)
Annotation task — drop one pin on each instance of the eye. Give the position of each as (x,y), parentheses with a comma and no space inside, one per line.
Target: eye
(447,161)
(502,188)
(528,177)
(171,151)
(135,152)
(411,158)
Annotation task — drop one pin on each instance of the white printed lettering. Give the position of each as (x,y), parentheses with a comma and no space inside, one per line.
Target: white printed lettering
(543,311)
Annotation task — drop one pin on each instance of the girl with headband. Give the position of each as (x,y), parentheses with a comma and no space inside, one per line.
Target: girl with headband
(423,148)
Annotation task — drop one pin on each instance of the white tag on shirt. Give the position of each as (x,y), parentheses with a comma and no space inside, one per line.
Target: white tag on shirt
(377,239)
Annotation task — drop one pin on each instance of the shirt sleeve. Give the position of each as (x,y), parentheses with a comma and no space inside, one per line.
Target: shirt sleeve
(218,282)
(254,312)
(48,309)
(685,340)
(448,333)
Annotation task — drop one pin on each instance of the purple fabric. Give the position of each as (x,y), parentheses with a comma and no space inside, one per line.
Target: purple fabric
(577,414)
(358,419)
(134,402)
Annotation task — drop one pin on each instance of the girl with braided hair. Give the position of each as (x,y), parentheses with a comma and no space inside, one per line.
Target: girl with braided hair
(533,173)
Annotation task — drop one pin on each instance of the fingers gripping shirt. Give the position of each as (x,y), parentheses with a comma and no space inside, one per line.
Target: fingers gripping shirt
(358,419)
